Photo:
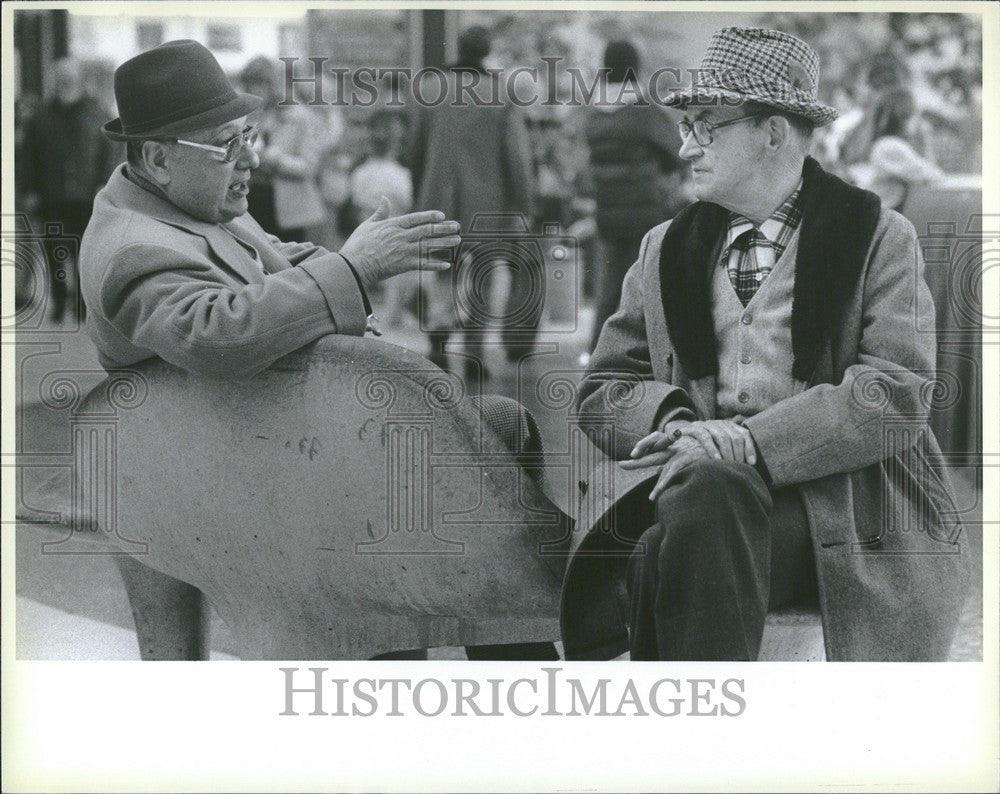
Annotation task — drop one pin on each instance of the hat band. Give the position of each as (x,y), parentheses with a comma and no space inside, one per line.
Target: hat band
(180,115)
(739,82)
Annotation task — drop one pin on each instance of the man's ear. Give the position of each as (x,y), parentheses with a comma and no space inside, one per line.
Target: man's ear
(780,133)
(154,159)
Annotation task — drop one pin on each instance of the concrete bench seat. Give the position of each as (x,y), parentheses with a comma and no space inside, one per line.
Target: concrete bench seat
(347,502)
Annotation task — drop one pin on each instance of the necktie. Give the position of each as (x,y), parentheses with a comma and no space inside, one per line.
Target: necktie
(748,275)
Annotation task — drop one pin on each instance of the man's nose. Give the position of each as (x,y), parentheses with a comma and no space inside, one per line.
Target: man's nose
(249,157)
(690,148)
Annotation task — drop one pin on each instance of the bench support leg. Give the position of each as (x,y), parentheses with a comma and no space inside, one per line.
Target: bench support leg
(171,616)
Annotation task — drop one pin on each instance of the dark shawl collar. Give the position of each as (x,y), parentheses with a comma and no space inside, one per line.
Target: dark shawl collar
(838,224)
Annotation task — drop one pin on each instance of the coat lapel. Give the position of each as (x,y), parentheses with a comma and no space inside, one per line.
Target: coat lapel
(249,232)
(231,251)
(685,277)
(838,224)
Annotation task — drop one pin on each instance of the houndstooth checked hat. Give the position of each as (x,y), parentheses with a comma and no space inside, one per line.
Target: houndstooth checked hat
(766,66)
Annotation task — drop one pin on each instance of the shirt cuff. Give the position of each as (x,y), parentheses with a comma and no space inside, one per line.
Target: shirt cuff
(361,287)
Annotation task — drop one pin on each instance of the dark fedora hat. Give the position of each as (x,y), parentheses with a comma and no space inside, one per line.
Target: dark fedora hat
(176,87)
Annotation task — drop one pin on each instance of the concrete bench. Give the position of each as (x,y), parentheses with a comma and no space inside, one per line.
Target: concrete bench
(345,503)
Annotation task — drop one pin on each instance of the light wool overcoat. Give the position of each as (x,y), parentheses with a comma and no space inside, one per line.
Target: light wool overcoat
(891,563)
(222,300)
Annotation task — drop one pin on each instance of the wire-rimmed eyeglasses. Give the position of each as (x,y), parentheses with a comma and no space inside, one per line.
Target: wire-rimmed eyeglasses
(703,129)
(232,148)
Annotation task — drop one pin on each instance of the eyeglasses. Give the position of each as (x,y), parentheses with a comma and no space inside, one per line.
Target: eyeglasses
(232,148)
(703,129)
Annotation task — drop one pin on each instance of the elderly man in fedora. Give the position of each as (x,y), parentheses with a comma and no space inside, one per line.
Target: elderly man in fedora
(767,373)
(173,266)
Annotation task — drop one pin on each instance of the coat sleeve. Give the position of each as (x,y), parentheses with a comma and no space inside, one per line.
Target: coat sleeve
(836,428)
(618,390)
(177,307)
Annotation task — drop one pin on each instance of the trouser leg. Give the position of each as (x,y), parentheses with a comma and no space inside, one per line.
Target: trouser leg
(722,551)
(524,304)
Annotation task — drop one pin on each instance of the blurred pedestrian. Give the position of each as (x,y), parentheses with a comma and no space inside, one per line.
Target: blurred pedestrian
(636,173)
(65,162)
(381,174)
(469,160)
(285,199)
(471,157)
(883,72)
(894,164)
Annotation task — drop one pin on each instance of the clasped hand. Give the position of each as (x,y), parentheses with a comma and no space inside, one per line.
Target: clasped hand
(721,439)
(383,246)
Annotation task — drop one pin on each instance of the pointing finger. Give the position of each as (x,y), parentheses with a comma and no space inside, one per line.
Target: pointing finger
(412,219)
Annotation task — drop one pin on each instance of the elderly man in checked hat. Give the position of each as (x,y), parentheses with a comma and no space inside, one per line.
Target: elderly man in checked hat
(767,373)
(173,266)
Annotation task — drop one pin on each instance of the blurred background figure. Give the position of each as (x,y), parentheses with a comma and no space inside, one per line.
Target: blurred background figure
(284,198)
(893,163)
(636,173)
(63,161)
(883,72)
(472,161)
(382,174)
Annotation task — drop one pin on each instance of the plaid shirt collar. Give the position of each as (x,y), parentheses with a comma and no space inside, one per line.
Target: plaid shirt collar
(778,229)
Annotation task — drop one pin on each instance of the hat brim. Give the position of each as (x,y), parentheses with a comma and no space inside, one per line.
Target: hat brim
(241,105)
(817,113)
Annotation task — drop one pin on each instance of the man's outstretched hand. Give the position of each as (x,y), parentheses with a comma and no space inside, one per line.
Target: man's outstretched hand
(383,246)
(721,439)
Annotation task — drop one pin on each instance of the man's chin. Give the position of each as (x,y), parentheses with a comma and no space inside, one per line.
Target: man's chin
(232,209)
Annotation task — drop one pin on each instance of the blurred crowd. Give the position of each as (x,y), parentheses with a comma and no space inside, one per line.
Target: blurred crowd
(909,95)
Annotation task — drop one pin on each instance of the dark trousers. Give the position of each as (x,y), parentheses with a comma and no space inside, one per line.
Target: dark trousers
(616,256)
(471,312)
(65,223)
(723,552)
(525,303)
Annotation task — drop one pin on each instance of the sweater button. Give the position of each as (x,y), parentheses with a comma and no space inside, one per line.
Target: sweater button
(746,319)
(743,397)
(745,358)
